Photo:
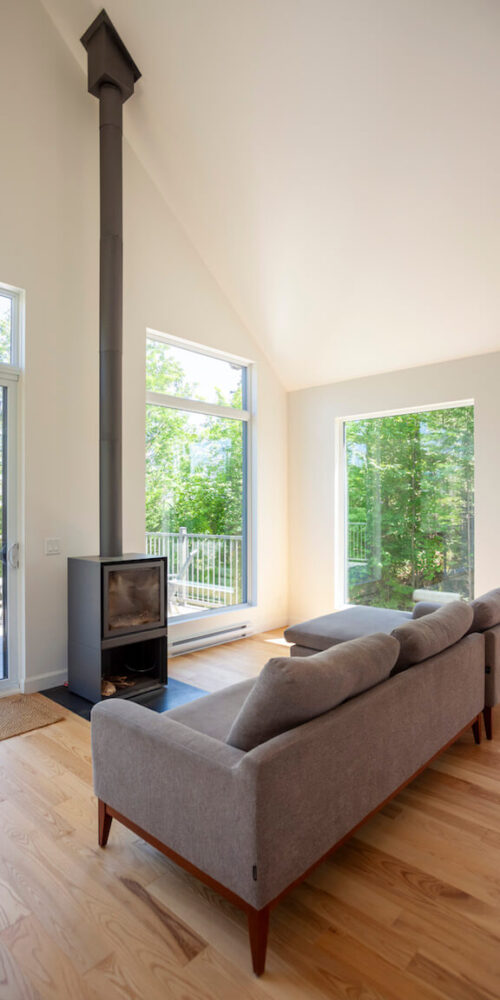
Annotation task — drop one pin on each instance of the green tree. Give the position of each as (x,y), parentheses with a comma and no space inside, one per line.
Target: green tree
(5,330)
(194,474)
(194,462)
(410,481)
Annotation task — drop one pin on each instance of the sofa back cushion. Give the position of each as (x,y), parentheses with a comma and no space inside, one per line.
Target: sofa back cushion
(428,636)
(290,691)
(425,608)
(486,611)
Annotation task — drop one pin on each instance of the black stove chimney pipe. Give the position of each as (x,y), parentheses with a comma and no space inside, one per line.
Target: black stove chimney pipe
(111,78)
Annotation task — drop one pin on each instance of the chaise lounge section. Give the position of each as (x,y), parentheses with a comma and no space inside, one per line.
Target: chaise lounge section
(340,626)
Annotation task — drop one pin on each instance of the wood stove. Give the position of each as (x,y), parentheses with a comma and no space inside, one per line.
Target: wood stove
(117,625)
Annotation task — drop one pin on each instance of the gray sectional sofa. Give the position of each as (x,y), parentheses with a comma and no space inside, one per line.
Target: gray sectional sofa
(339,626)
(250,788)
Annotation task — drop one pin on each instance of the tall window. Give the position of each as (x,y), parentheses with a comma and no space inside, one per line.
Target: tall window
(196,474)
(409,506)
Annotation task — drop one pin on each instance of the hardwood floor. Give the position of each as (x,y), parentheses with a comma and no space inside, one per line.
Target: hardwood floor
(218,666)
(408,910)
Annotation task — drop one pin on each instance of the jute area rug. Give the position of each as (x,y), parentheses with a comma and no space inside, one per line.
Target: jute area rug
(20,713)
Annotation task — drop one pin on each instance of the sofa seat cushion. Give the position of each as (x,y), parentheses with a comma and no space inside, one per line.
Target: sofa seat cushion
(340,626)
(486,611)
(213,714)
(422,638)
(290,691)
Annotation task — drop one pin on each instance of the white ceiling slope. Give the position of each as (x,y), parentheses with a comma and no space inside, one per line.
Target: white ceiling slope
(335,162)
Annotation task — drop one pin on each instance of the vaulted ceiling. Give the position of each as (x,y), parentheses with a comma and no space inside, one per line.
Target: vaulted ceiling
(336,163)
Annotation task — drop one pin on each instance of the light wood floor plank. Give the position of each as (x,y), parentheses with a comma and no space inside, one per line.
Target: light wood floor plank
(470,870)
(49,893)
(125,977)
(451,946)
(108,914)
(46,965)
(14,984)
(341,917)
(12,907)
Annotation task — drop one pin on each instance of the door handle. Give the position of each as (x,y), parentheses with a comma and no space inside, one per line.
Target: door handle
(13,555)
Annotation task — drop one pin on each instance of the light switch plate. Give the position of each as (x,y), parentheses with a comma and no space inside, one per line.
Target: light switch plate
(52,546)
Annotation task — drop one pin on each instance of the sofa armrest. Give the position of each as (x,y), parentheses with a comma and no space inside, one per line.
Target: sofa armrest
(181,786)
(423,608)
(135,722)
(492,660)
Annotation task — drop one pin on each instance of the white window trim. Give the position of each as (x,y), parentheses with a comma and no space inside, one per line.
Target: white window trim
(196,405)
(340,485)
(192,345)
(16,295)
(244,416)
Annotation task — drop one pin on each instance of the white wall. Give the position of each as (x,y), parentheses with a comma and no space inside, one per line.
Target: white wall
(312,458)
(49,247)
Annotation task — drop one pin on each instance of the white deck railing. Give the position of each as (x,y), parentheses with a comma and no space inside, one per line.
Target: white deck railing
(356,551)
(207,569)
(204,570)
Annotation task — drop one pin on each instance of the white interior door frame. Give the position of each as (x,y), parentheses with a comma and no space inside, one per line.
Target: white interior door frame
(9,380)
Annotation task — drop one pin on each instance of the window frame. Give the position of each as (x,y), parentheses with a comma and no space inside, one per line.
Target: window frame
(11,379)
(244,416)
(341,536)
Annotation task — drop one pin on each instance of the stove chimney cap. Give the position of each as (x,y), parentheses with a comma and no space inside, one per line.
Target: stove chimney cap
(109,61)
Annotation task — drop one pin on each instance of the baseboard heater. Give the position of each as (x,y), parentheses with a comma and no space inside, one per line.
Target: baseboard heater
(203,639)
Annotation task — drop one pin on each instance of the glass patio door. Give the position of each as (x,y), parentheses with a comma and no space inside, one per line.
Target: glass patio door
(9,548)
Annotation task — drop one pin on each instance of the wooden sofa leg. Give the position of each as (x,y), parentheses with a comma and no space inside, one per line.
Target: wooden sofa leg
(258,928)
(104,823)
(476,729)
(488,722)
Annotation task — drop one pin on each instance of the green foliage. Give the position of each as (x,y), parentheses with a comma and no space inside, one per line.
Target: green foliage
(5,336)
(410,480)
(194,463)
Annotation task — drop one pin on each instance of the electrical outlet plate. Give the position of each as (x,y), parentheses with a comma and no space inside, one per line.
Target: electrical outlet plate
(52,546)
